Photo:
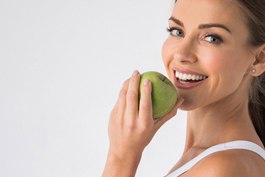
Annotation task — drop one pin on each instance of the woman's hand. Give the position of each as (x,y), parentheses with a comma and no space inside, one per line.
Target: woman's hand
(131,129)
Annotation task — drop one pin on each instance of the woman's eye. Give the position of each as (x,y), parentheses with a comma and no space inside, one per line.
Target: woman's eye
(175,32)
(213,39)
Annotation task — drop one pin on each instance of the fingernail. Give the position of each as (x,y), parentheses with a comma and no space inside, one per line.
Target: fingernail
(146,81)
(135,73)
(180,101)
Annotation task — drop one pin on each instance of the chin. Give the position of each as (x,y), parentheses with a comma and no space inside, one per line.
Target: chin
(185,108)
(188,105)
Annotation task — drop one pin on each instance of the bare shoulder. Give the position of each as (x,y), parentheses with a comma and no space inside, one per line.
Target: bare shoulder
(236,163)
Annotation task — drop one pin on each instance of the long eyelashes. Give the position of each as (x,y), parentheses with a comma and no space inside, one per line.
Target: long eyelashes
(175,32)
(209,37)
(213,38)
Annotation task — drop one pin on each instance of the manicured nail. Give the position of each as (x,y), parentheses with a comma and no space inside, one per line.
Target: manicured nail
(135,73)
(180,101)
(146,81)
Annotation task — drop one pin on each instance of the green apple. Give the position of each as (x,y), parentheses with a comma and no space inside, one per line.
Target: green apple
(164,94)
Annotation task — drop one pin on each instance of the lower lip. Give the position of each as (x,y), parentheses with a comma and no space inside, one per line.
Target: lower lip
(186,85)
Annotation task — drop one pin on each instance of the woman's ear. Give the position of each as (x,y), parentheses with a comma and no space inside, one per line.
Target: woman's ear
(258,66)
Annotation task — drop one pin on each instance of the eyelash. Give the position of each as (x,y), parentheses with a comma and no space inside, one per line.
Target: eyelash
(170,30)
(217,37)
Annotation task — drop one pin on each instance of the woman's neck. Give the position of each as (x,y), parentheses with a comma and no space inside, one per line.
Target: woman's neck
(219,123)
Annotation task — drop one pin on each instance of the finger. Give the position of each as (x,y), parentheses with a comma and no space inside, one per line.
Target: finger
(121,103)
(132,95)
(170,115)
(145,108)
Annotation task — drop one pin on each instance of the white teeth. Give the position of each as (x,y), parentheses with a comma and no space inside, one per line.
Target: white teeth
(183,76)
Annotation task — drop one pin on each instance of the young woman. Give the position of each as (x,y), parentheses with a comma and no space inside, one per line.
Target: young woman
(224,41)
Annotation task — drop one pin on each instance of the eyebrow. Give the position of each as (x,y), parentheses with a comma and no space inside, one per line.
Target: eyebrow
(177,21)
(202,26)
(212,25)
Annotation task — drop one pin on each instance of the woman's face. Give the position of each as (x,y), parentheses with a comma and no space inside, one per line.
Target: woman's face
(207,55)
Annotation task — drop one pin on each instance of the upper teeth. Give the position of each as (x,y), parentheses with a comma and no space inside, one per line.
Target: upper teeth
(184,76)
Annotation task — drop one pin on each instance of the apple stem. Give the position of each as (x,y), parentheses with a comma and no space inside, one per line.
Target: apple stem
(163,78)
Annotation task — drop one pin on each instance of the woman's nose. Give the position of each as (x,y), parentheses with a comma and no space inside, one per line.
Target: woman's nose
(185,52)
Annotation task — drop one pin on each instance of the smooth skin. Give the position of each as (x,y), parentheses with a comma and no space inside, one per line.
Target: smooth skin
(217,108)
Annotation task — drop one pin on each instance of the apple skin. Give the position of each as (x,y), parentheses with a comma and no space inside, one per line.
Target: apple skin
(164,94)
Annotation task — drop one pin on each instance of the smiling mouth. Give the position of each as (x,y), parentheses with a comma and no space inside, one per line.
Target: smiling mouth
(190,78)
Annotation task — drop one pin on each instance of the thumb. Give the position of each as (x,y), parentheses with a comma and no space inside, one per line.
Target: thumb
(171,114)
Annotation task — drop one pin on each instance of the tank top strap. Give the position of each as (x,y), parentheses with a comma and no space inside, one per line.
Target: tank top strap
(239,144)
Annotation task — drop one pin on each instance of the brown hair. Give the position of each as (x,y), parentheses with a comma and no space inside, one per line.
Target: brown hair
(254,10)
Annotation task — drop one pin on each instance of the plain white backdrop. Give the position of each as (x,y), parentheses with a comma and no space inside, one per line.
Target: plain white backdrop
(62,63)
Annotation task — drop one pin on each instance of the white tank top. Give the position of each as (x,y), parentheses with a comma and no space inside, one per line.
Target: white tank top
(246,145)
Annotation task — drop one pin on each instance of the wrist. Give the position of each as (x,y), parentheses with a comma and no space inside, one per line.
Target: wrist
(124,165)
(124,156)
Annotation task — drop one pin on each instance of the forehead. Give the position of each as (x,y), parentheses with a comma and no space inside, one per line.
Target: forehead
(210,11)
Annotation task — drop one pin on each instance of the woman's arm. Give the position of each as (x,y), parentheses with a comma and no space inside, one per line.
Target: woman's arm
(121,166)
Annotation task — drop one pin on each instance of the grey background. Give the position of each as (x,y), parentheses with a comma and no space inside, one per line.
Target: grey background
(62,63)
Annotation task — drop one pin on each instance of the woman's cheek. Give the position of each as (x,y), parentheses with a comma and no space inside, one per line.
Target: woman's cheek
(167,54)
(165,51)
(214,62)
